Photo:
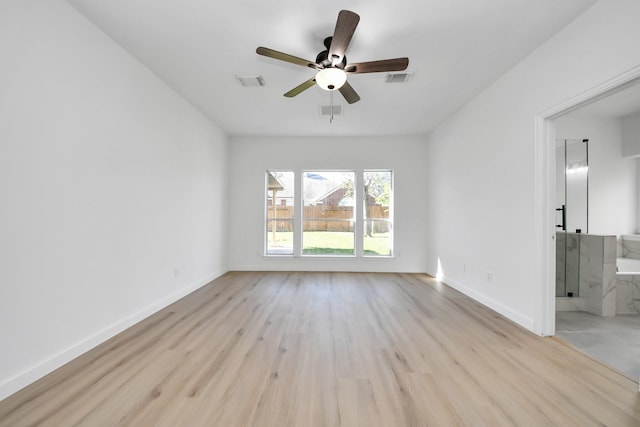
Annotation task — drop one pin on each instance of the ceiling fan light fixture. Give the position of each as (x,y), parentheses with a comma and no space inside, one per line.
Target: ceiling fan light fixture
(331,78)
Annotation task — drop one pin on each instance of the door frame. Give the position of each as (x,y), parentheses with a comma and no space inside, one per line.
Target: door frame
(545,188)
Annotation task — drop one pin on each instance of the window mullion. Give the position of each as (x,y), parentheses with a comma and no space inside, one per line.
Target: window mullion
(298,219)
(358,213)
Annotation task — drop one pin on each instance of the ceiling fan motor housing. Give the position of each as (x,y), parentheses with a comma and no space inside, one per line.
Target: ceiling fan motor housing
(323,57)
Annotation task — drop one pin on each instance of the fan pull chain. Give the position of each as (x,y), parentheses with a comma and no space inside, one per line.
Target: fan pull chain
(331,106)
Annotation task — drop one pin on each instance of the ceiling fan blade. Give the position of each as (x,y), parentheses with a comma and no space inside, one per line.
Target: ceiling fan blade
(349,93)
(300,88)
(396,64)
(345,27)
(265,51)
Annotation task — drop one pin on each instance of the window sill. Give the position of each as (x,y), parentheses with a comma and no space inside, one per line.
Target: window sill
(332,257)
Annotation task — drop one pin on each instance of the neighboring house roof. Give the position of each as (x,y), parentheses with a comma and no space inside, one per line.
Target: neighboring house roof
(318,189)
(332,197)
(274,183)
(283,184)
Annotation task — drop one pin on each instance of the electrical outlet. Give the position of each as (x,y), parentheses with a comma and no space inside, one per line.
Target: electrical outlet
(489,276)
(176,272)
(463,268)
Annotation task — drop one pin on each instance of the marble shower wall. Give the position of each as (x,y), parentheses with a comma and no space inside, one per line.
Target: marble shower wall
(598,273)
(629,247)
(590,270)
(628,294)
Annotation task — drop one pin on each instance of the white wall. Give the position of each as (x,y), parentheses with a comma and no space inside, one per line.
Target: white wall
(612,178)
(250,157)
(631,147)
(109,181)
(482,177)
(631,135)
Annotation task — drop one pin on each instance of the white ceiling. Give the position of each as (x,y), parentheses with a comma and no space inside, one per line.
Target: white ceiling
(456,48)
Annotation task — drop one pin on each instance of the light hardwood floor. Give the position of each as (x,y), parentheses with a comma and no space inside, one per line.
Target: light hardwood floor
(327,349)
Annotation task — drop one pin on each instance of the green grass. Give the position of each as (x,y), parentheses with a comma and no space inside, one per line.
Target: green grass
(335,243)
(377,244)
(326,251)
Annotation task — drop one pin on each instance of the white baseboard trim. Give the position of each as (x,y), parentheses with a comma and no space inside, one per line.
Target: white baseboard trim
(327,265)
(514,316)
(23,379)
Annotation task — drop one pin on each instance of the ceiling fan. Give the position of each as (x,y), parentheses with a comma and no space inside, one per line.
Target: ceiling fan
(331,64)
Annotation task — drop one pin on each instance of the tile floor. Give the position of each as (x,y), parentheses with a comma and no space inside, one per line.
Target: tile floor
(614,341)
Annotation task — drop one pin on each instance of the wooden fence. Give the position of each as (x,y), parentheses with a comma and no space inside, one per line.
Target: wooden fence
(324,218)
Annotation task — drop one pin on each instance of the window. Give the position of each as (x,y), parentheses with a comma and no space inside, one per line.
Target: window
(329,221)
(328,214)
(377,213)
(280,187)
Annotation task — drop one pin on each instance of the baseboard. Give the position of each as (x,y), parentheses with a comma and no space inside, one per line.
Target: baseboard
(328,265)
(38,371)
(510,314)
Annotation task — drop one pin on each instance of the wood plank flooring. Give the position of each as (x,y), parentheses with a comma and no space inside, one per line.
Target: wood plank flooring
(327,349)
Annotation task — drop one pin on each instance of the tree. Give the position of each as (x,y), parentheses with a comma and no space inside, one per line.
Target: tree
(377,187)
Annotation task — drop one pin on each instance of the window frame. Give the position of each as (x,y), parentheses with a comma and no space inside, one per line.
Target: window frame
(390,219)
(267,220)
(352,221)
(358,220)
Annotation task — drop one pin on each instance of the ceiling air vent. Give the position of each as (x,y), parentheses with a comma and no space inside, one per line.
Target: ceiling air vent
(398,77)
(250,80)
(325,110)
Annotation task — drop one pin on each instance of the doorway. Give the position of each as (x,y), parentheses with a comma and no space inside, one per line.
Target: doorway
(612,339)
(545,190)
